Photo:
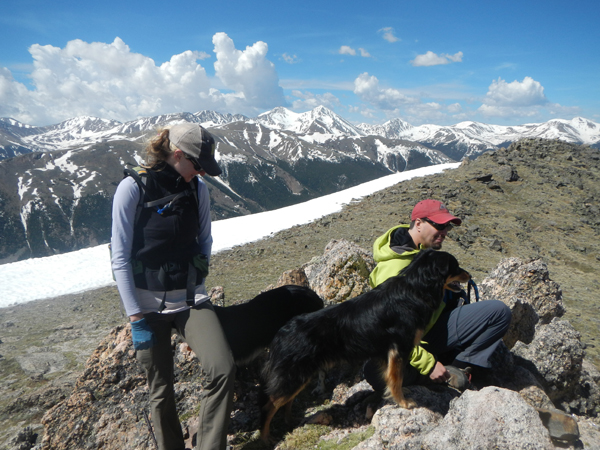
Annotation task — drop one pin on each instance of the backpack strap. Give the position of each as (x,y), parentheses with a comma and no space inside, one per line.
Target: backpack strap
(140,176)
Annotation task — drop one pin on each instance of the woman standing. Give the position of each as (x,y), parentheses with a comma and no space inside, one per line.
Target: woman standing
(161,244)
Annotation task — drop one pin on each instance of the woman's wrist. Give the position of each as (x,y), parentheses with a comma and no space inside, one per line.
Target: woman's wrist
(136,317)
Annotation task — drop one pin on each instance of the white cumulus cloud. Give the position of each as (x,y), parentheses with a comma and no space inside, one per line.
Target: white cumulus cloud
(308,100)
(109,80)
(367,88)
(248,72)
(346,50)
(432,59)
(388,34)
(517,93)
(518,98)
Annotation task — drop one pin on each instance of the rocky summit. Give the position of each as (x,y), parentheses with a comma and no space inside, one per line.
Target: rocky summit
(531,218)
(542,394)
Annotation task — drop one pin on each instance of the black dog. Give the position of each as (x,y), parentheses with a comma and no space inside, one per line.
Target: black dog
(384,324)
(250,327)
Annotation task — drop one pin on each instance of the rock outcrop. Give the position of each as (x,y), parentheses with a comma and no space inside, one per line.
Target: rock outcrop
(341,273)
(489,418)
(529,292)
(543,393)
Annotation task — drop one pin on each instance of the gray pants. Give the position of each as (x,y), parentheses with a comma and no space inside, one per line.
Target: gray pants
(469,334)
(201,329)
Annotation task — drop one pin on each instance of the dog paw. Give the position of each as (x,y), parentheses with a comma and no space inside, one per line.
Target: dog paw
(408,403)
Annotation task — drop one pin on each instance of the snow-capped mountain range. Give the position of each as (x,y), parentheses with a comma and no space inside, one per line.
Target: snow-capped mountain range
(57,182)
(316,126)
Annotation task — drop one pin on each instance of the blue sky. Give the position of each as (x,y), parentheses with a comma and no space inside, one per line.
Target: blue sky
(438,62)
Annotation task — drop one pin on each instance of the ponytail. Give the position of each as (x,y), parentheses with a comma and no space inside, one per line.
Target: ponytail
(158,149)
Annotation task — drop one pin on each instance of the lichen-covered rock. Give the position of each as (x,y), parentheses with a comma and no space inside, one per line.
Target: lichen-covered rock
(589,433)
(397,427)
(555,356)
(294,276)
(490,418)
(108,406)
(585,397)
(536,397)
(529,292)
(105,408)
(341,273)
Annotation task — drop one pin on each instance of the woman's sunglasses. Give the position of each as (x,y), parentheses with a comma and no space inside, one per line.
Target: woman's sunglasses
(195,162)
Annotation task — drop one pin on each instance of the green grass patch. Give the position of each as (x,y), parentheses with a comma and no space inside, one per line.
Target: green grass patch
(348,442)
(306,437)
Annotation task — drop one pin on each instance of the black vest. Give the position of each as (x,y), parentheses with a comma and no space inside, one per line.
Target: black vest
(165,238)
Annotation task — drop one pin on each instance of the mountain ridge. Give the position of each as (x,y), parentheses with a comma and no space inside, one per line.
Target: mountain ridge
(56,189)
(475,137)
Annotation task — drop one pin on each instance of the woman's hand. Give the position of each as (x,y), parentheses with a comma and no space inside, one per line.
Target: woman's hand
(142,335)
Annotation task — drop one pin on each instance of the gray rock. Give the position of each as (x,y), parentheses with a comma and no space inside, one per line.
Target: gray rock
(555,357)
(561,426)
(490,418)
(40,363)
(529,292)
(589,433)
(536,397)
(341,273)
(396,426)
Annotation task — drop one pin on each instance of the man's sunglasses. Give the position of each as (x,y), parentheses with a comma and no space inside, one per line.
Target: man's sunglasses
(195,162)
(439,226)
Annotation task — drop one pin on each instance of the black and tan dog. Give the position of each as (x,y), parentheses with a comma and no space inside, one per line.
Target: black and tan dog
(250,327)
(384,324)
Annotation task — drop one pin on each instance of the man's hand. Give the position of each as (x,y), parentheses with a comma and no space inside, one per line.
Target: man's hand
(439,374)
(142,335)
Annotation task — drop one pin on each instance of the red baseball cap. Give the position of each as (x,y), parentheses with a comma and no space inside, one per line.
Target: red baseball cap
(433,210)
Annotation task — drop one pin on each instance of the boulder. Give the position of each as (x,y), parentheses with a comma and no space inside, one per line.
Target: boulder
(526,287)
(341,273)
(555,357)
(490,418)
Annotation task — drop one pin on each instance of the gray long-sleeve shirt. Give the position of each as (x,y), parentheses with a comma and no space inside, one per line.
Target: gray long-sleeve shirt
(136,300)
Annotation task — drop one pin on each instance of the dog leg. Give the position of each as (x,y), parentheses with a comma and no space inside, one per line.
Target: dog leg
(269,411)
(272,407)
(288,412)
(393,378)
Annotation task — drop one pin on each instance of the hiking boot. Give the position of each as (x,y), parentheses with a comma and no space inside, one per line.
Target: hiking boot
(460,379)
